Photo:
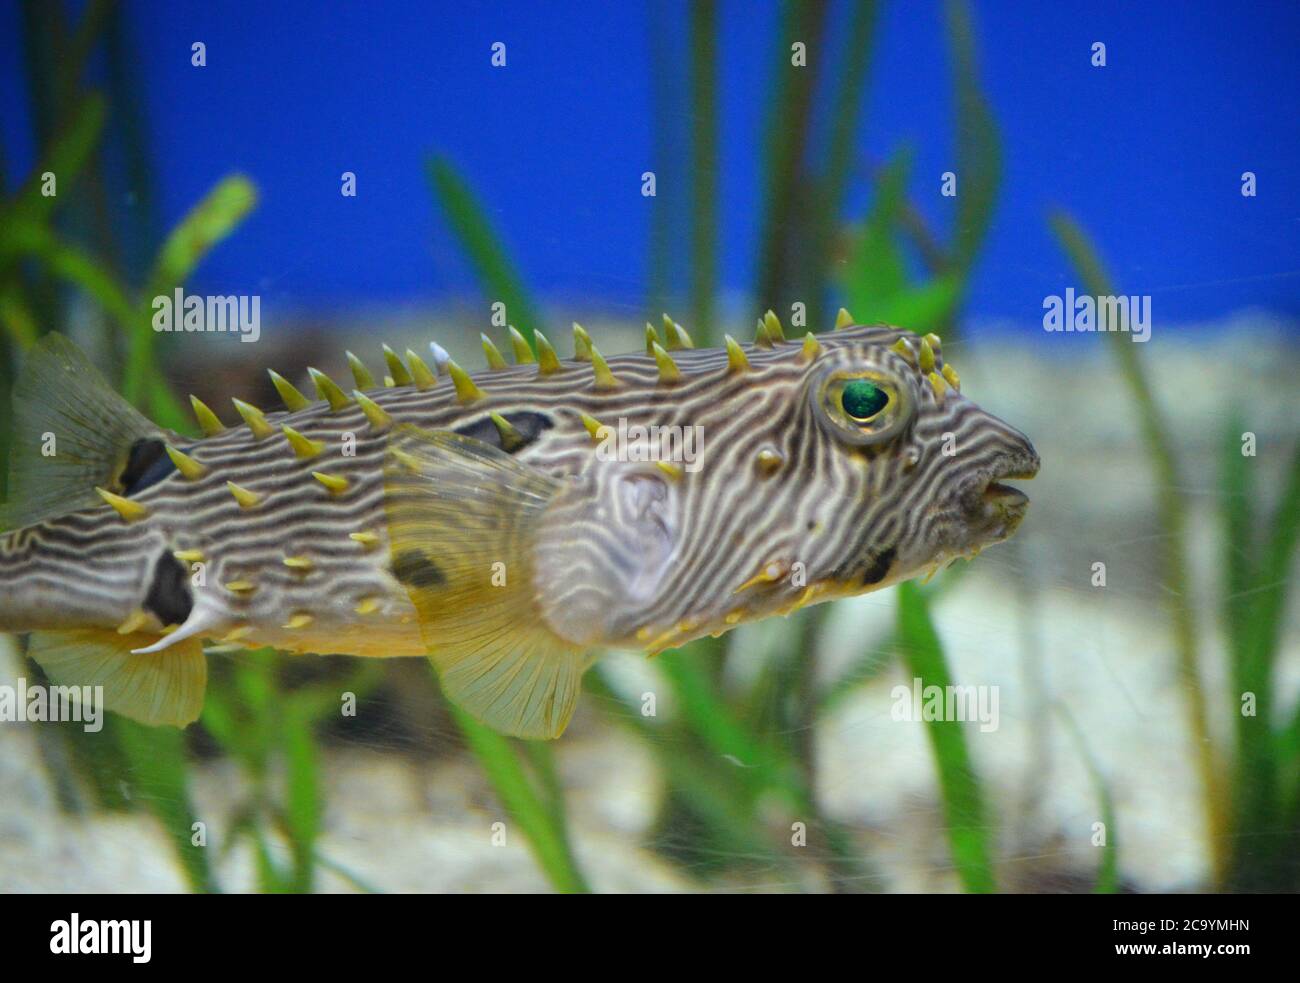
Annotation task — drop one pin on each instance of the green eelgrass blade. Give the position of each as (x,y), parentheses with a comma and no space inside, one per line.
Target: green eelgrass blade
(17,318)
(1255,776)
(713,721)
(1272,581)
(546,837)
(22,310)
(1173,518)
(722,772)
(876,270)
(1108,869)
(963,800)
(704,172)
(787,127)
(70,263)
(841,153)
(65,159)
(1269,615)
(875,281)
(978,152)
(158,776)
(1279,553)
(256,724)
(879,655)
(362,885)
(539,814)
(206,224)
(482,245)
(721,795)
(304,804)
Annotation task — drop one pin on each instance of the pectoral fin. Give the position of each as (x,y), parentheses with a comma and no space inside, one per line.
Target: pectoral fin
(462,521)
(163,688)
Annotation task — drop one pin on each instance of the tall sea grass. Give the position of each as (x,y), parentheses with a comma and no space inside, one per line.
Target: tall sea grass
(1252,814)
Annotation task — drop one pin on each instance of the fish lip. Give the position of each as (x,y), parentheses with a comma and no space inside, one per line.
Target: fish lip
(992,490)
(1004,497)
(994,510)
(987,491)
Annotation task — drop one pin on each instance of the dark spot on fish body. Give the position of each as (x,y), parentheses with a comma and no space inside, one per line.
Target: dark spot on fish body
(169,593)
(147,464)
(527,424)
(879,568)
(414,569)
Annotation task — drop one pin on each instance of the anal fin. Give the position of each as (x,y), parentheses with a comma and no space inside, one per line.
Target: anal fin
(162,688)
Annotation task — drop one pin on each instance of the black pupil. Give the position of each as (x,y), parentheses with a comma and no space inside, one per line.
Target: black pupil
(862,399)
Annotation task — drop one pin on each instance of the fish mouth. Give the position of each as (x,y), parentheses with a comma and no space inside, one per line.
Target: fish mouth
(1004,496)
(1002,506)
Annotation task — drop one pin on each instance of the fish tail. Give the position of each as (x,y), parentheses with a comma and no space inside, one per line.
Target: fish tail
(72,435)
(76,445)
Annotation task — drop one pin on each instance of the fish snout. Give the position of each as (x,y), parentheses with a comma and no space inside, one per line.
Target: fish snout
(994,508)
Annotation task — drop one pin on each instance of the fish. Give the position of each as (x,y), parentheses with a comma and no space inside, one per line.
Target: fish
(509,524)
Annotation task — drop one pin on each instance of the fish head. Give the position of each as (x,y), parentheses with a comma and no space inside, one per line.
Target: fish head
(909,472)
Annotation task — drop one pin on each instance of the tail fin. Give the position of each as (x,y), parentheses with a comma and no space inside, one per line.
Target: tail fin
(72,432)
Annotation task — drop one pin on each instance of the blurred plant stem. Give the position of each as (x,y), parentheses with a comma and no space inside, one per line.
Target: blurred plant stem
(158,775)
(963,800)
(539,812)
(876,279)
(1033,662)
(978,146)
(480,242)
(787,136)
(704,172)
(215,217)
(1266,819)
(1172,516)
(261,724)
(879,654)
(538,807)
(828,202)
(722,769)
(667,211)
(1108,869)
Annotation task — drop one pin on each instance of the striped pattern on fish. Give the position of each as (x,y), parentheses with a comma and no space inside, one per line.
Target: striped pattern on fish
(482,520)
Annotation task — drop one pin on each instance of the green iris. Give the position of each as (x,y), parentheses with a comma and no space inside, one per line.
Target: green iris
(863,399)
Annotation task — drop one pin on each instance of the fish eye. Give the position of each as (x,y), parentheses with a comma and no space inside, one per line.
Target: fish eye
(862,405)
(862,399)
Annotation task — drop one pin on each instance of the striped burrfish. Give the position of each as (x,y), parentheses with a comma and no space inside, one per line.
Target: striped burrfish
(508,525)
